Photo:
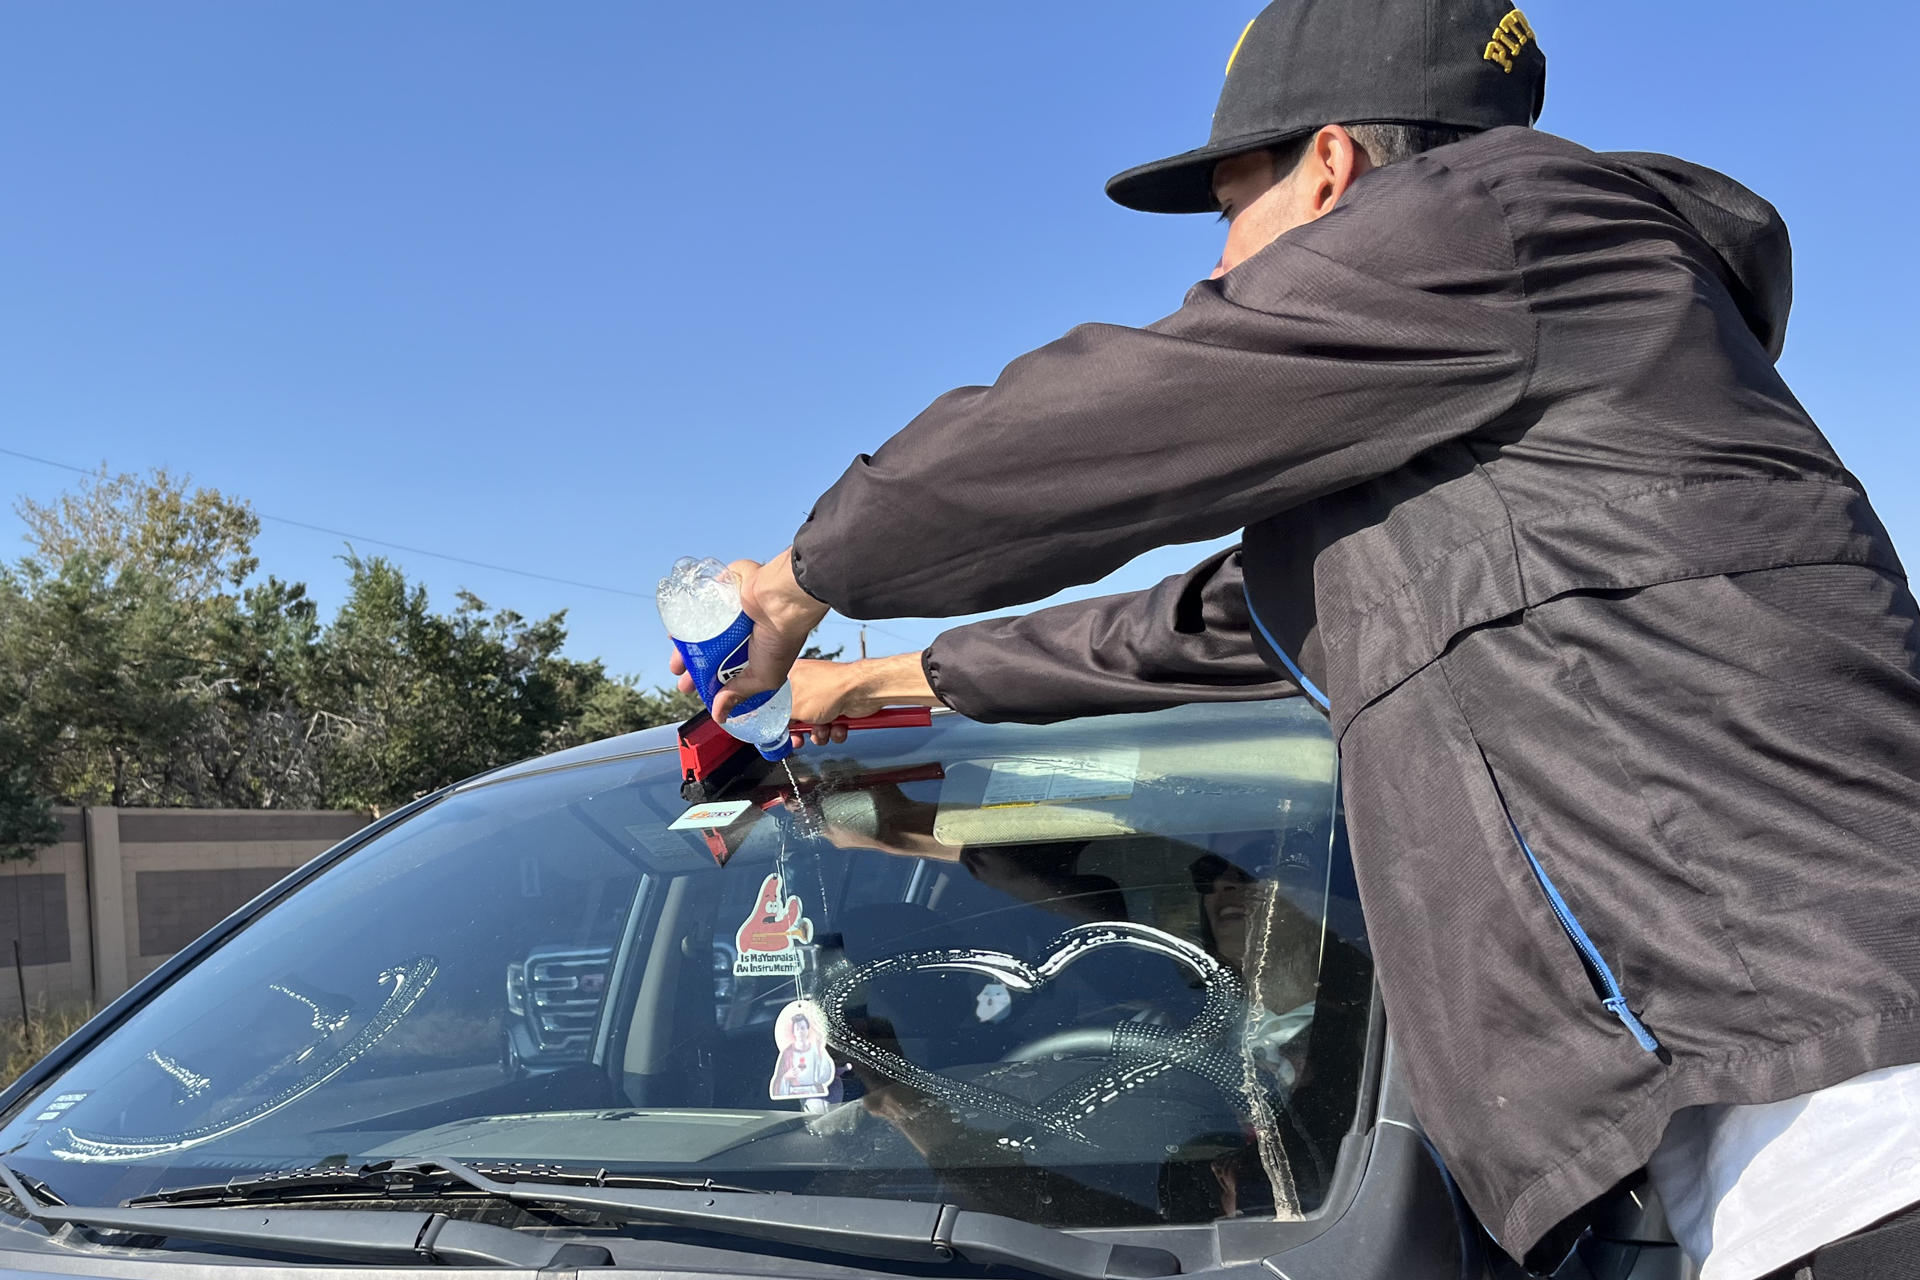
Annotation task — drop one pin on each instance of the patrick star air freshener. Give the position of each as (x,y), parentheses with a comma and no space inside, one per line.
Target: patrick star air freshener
(768,944)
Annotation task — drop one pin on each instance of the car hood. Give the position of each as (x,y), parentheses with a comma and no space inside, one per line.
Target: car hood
(663,1136)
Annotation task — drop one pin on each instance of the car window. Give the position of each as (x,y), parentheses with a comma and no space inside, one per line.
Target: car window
(1109,972)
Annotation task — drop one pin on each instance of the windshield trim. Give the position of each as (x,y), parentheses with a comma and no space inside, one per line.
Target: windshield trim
(529,769)
(532,768)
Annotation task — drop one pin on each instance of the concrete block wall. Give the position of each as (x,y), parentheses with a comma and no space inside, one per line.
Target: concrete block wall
(44,904)
(126,888)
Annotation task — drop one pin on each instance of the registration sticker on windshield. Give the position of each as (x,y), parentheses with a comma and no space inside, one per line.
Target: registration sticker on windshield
(768,944)
(1085,775)
(709,817)
(804,1069)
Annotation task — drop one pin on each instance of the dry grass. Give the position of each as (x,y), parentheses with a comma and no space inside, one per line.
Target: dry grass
(20,1050)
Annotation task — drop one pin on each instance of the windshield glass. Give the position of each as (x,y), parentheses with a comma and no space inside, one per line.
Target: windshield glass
(1104,972)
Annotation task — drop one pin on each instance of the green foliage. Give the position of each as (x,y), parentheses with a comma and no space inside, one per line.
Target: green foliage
(195,544)
(26,817)
(23,1045)
(415,699)
(140,666)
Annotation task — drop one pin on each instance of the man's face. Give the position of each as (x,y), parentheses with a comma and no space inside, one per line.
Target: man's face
(1260,205)
(802,1034)
(1225,901)
(1253,205)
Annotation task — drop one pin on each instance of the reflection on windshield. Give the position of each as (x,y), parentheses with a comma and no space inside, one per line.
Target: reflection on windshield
(1096,974)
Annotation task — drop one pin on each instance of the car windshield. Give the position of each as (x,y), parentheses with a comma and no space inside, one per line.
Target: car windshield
(1099,973)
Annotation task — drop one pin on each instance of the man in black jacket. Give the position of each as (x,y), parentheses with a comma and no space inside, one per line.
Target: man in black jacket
(1623,669)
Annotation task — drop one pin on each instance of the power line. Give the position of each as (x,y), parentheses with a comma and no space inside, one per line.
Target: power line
(377,542)
(45,462)
(422,551)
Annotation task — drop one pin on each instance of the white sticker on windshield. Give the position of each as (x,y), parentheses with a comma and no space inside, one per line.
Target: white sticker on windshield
(1085,775)
(60,1104)
(708,817)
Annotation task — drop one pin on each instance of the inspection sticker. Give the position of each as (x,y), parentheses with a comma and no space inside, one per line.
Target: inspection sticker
(709,817)
(768,944)
(58,1105)
(1086,775)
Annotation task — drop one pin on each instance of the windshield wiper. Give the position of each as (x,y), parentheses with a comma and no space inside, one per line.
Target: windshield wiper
(399,1179)
(896,1230)
(353,1235)
(880,1229)
(288,1186)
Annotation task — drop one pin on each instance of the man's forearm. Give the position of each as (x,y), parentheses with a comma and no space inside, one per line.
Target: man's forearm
(827,691)
(899,681)
(1186,640)
(783,602)
(1189,639)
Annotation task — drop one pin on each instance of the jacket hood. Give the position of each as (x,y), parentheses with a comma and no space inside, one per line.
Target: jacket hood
(1746,231)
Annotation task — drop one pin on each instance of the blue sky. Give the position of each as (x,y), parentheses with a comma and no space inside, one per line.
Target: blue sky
(580,288)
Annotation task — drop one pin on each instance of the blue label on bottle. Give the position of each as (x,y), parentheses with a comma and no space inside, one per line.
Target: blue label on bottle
(712,663)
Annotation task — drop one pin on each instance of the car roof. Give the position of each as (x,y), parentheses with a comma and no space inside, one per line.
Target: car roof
(660,738)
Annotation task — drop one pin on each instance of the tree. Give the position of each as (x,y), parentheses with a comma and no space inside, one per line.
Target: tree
(99,666)
(258,740)
(110,637)
(26,812)
(27,823)
(616,705)
(413,699)
(142,664)
(195,544)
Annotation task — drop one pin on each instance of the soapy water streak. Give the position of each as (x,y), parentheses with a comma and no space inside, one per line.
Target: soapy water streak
(1062,1114)
(1273,1159)
(326,1021)
(194,1083)
(408,982)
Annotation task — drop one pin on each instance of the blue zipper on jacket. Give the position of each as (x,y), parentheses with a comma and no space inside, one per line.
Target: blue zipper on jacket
(1615,1000)
(1307,686)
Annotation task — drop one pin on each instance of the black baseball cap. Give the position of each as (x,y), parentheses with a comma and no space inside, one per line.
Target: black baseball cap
(1301,64)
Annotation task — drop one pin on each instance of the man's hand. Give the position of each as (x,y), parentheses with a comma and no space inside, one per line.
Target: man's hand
(827,691)
(783,617)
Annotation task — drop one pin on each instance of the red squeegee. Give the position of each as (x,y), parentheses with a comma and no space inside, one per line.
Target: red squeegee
(711,758)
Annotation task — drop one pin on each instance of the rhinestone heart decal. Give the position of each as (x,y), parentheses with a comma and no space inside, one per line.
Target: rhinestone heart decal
(1063,1113)
(405,984)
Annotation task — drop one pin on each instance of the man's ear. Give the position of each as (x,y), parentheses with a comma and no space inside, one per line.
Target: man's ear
(1332,164)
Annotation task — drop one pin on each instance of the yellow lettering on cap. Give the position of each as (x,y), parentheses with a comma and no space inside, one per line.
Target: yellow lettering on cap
(1235,55)
(1512,35)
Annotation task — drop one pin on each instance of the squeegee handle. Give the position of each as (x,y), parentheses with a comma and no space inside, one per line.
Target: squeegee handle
(890,718)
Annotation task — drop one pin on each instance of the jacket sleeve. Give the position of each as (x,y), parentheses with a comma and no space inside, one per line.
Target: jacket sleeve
(1343,349)
(1186,640)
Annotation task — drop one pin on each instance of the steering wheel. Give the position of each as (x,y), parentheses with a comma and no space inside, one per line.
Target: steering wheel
(1073,1042)
(1130,1064)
